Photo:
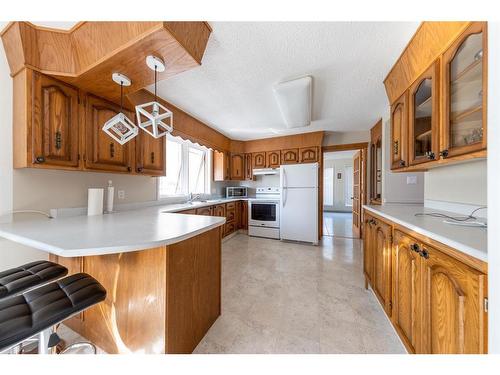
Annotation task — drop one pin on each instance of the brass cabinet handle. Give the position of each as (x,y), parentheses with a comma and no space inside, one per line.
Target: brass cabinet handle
(152,158)
(139,169)
(40,159)
(424,254)
(402,163)
(444,153)
(112,150)
(129,169)
(414,247)
(58,140)
(430,155)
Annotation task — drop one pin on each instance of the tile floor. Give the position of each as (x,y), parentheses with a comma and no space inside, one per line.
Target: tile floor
(280,297)
(337,224)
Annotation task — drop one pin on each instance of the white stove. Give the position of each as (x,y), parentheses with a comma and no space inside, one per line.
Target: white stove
(264,213)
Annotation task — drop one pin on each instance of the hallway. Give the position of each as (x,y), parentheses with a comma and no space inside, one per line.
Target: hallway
(338,224)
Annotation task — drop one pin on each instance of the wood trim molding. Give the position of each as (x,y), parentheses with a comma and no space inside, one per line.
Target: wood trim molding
(345,147)
(436,36)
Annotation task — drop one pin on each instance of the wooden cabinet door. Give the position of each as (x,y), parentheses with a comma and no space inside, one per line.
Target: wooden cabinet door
(204,211)
(237,166)
(220,166)
(464,88)
(382,249)
(308,154)
(244,215)
(219,210)
(259,160)
(406,294)
(273,159)
(150,155)
(101,151)
(399,137)
(454,321)
(55,123)
(423,117)
(248,167)
(191,211)
(290,156)
(368,245)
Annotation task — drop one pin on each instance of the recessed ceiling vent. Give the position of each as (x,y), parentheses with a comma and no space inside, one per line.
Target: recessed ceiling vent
(295,99)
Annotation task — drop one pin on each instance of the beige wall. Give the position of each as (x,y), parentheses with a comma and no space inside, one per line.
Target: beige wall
(45,189)
(461,183)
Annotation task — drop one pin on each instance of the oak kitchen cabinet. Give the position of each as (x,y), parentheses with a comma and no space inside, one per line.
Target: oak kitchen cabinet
(237,166)
(150,155)
(434,296)
(273,159)
(221,166)
(441,114)
(399,121)
(464,90)
(290,156)
(248,167)
(308,154)
(208,211)
(259,160)
(101,151)
(423,126)
(59,127)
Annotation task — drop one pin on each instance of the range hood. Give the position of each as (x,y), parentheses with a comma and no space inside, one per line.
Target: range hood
(265,171)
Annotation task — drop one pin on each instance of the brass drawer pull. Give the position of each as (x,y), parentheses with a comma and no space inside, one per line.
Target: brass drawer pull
(58,140)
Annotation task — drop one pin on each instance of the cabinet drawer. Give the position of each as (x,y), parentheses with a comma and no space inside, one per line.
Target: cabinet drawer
(230,228)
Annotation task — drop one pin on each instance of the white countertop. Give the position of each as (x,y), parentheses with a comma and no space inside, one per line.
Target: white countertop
(124,231)
(468,240)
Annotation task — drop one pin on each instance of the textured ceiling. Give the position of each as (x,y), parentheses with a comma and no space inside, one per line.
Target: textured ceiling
(232,90)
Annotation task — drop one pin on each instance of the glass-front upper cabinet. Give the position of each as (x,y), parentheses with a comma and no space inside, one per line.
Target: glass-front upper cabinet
(464,93)
(399,124)
(423,117)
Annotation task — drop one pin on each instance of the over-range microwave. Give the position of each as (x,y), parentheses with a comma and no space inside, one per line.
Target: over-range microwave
(236,192)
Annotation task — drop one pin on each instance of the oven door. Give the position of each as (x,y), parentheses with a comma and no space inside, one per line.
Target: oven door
(264,214)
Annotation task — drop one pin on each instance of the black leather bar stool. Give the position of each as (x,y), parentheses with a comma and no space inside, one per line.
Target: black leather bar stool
(20,279)
(37,311)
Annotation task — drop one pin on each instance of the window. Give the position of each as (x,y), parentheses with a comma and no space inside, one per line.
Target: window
(328,187)
(188,169)
(348,185)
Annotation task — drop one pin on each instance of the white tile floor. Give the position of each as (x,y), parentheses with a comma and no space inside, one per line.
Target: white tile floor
(337,224)
(280,297)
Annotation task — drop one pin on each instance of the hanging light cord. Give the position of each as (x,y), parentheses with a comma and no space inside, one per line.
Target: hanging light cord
(121,96)
(156,72)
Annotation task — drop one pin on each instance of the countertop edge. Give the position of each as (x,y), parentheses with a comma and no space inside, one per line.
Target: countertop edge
(70,253)
(478,254)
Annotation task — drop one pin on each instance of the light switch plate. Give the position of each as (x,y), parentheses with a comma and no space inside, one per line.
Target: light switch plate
(121,194)
(411,180)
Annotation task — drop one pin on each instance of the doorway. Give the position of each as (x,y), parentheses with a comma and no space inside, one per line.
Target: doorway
(343,195)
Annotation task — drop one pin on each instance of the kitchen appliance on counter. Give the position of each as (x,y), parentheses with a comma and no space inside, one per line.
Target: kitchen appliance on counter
(236,192)
(299,202)
(264,213)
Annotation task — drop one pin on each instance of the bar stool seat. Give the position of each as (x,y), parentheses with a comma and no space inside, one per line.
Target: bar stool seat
(26,315)
(19,279)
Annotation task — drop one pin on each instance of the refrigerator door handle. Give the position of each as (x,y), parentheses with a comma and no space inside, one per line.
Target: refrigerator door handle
(284,178)
(284,196)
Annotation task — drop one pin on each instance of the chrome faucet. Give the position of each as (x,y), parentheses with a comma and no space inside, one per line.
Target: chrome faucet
(194,197)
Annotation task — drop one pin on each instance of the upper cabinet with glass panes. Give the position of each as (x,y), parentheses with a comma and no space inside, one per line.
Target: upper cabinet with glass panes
(423,117)
(464,93)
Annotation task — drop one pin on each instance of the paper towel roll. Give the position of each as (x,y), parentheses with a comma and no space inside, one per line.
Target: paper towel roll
(95,201)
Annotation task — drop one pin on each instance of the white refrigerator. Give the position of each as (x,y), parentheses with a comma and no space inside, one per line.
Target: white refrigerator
(299,202)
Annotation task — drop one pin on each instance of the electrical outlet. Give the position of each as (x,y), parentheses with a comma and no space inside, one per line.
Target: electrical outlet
(411,180)
(121,194)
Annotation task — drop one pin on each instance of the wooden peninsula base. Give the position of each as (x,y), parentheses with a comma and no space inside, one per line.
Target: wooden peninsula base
(160,300)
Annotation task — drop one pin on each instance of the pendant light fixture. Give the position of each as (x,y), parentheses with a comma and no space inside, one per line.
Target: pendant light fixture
(154,118)
(120,127)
